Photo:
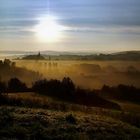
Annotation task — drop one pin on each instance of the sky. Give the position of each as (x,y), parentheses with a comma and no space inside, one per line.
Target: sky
(88,25)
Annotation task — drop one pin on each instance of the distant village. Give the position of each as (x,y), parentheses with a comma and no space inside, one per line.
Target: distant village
(34,57)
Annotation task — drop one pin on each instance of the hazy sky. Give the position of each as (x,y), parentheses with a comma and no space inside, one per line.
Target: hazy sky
(91,25)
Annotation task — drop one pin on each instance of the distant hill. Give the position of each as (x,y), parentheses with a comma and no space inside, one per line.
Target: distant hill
(56,55)
(125,56)
(128,55)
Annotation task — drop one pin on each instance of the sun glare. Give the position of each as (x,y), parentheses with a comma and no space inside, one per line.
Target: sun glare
(48,30)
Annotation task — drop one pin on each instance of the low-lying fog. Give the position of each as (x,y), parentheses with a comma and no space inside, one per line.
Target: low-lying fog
(88,74)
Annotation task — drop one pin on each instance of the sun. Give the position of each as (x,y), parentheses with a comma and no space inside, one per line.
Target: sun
(48,30)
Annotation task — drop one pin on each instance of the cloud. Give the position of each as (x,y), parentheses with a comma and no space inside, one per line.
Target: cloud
(106,29)
(89,21)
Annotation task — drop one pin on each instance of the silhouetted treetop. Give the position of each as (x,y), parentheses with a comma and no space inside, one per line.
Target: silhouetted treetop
(15,85)
(2,87)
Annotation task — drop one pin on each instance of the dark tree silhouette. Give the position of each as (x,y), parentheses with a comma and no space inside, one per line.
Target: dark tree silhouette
(40,86)
(64,89)
(122,92)
(68,88)
(2,88)
(68,85)
(54,88)
(15,85)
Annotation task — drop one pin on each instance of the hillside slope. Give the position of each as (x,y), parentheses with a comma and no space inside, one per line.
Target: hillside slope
(26,123)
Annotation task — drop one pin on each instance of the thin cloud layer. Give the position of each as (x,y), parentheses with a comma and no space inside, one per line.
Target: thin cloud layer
(97,19)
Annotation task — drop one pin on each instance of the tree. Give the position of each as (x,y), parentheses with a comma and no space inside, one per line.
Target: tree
(64,89)
(2,88)
(68,85)
(40,86)
(15,85)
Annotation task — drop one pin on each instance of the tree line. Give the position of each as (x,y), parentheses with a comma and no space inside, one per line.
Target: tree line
(66,90)
(121,92)
(13,85)
(63,89)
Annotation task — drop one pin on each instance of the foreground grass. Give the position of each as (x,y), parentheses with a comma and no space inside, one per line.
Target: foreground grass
(31,116)
(26,123)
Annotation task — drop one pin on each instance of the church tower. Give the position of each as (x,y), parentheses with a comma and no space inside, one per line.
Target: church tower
(39,54)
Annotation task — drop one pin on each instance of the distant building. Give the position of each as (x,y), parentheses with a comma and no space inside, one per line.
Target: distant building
(34,57)
(39,54)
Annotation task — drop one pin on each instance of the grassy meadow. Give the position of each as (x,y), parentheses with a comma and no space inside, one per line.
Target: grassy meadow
(40,117)
(34,115)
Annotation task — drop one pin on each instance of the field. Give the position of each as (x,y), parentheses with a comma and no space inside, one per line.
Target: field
(41,117)
(36,115)
(88,74)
